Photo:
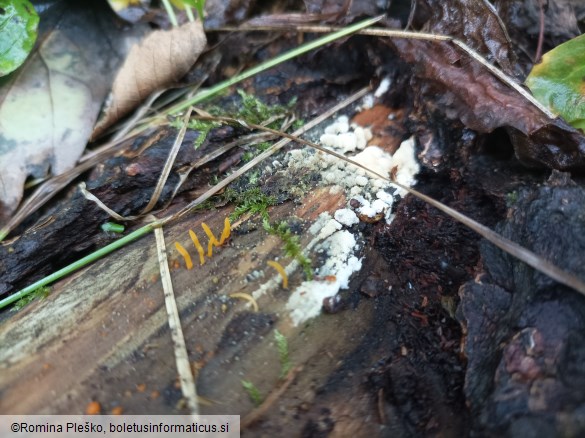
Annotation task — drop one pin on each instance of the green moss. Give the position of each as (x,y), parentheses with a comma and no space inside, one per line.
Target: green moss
(252,201)
(282,345)
(253,177)
(253,110)
(297,124)
(40,293)
(201,126)
(255,150)
(253,392)
(292,247)
(285,367)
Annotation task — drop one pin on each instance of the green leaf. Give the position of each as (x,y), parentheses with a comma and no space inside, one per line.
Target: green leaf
(18,33)
(558,81)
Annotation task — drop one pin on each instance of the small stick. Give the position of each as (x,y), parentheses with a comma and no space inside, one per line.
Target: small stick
(181,356)
(169,163)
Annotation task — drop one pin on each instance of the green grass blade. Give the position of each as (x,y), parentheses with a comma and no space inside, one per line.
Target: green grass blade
(307,47)
(78,264)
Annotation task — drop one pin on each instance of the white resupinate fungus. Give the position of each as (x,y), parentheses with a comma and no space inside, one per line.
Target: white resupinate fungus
(337,236)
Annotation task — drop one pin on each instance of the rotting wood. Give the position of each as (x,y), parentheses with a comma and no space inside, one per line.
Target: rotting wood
(111,312)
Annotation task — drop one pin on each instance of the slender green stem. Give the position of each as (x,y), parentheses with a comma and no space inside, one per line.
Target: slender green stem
(307,47)
(189,13)
(79,264)
(170,13)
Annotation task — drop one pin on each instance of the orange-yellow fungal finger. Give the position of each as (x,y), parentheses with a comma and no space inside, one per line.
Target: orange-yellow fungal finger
(281,271)
(198,246)
(246,297)
(212,239)
(185,255)
(227,229)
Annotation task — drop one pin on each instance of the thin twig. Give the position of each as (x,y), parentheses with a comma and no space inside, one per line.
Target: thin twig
(137,116)
(540,31)
(168,164)
(93,198)
(257,413)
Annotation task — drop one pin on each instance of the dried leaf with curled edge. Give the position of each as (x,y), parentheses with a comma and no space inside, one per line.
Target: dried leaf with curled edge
(161,59)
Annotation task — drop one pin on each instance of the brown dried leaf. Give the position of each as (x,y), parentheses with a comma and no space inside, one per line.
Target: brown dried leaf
(158,62)
(475,22)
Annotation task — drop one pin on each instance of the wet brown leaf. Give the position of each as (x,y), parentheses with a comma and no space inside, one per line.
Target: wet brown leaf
(474,22)
(156,63)
(464,90)
(49,106)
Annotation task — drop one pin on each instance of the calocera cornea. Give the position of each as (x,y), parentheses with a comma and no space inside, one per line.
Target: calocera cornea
(225,235)
(185,255)
(212,239)
(247,297)
(227,229)
(281,271)
(197,246)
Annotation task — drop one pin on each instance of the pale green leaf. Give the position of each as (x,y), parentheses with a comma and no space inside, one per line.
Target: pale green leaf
(558,81)
(18,33)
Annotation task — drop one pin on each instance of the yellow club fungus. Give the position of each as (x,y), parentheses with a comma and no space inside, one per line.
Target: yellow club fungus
(185,255)
(246,297)
(212,239)
(198,246)
(281,271)
(227,229)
